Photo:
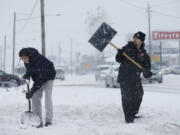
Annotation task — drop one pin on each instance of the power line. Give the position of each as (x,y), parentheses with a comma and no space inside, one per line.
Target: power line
(144,1)
(156,12)
(167,15)
(23,14)
(133,5)
(25,24)
(164,3)
(160,13)
(37,17)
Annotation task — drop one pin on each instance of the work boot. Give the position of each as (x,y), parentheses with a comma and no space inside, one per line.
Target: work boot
(40,125)
(129,120)
(48,124)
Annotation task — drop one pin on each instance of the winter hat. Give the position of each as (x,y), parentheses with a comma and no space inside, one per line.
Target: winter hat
(140,35)
(23,52)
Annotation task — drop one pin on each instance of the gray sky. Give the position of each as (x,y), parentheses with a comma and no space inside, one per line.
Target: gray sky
(126,16)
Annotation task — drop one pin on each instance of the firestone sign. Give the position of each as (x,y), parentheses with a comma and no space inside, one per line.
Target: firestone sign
(158,35)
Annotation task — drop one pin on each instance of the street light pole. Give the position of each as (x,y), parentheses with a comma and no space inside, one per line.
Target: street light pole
(161,53)
(1,57)
(59,51)
(4,53)
(71,55)
(149,28)
(179,52)
(43,28)
(14,42)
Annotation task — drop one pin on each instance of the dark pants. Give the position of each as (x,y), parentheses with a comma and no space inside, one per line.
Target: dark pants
(131,100)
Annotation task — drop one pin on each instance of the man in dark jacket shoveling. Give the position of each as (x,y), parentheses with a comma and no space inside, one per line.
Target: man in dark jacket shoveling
(129,75)
(42,72)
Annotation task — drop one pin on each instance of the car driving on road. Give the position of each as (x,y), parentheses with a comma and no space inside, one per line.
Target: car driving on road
(111,77)
(101,72)
(9,80)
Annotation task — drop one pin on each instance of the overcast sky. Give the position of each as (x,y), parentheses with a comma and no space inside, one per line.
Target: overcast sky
(126,16)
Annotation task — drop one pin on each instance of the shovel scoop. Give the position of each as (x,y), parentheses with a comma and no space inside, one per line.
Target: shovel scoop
(30,118)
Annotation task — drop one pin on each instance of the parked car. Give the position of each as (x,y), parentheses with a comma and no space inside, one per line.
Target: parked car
(175,69)
(101,72)
(166,70)
(156,77)
(111,77)
(60,74)
(20,71)
(9,80)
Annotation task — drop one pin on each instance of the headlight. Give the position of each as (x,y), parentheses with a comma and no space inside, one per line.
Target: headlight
(20,76)
(160,73)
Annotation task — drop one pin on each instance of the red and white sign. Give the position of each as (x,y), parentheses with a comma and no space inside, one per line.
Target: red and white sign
(158,35)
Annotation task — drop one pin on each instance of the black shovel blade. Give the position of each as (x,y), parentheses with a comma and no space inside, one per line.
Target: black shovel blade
(102,36)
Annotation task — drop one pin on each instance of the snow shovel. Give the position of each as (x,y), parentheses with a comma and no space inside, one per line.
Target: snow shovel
(29,118)
(103,36)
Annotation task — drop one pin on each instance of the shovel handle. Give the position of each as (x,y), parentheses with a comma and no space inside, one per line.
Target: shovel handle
(27,83)
(29,103)
(129,58)
(28,89)
(133,61)
(113,45)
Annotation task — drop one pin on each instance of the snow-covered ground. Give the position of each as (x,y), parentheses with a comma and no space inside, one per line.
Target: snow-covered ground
(85,107)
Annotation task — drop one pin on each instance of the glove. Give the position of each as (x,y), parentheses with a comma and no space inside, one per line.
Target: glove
(29,95)
(26,77)
(120,51)
(147,73)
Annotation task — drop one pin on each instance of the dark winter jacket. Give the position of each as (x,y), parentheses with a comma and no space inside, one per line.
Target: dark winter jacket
(39,68)
(128,71)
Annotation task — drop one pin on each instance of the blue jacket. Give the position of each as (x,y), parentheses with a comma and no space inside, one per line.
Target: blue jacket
(39,68)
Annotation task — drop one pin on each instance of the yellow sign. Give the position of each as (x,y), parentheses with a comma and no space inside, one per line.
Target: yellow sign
(155,58)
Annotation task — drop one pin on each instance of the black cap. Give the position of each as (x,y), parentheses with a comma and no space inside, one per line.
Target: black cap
(23,52)
(140,35)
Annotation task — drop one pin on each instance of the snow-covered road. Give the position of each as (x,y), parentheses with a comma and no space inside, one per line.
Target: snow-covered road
(85,107)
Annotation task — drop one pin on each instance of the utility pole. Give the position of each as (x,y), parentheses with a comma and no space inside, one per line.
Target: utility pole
(1,57)
(14,42)
(43,28)
(160,47)
(149,29)
(179,52)
(4,53)
(71,55)
(59,53)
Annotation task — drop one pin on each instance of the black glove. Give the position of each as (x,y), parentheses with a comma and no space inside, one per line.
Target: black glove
(29,95)
(120,51)
(147,73)
(26,77)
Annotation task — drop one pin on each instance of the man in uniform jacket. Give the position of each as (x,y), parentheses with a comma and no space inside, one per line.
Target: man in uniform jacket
(42,72)
(129,75)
